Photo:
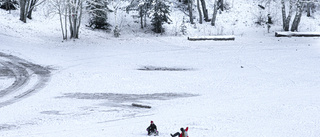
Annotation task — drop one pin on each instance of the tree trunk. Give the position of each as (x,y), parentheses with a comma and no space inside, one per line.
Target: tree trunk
(309,9)
(190,11)
(27,7)
(214,15)
(79,18)
(297,18)
(22,10)
(8,4)
(29,14)
(61,24)
(285,19)
(145,18)
(75,21)
(199,10)
(65,20)
(70,20)
(221,5)
(205,11)
(31,7)
(75,14)
(141,17)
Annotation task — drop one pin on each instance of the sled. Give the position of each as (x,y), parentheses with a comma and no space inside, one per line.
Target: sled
(154,133)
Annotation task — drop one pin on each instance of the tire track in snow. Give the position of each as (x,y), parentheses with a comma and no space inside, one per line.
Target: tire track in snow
(28,78)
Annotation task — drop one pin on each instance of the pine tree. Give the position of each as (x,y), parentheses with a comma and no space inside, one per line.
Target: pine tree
(161,13)
(98,11)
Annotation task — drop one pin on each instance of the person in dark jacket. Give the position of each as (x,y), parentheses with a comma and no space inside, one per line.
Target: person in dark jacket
(152,129)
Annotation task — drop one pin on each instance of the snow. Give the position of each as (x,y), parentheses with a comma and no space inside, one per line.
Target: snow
(257,85)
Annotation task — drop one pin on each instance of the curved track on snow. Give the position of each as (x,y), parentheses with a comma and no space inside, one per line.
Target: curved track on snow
(28,78)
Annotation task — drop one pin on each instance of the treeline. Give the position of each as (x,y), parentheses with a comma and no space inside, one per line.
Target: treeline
(157,11)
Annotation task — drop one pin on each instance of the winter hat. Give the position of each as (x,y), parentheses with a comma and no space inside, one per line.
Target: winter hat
(151,122)
(182,129)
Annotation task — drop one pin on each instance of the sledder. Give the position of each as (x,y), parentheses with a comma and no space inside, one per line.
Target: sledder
(152,129)
(184,133)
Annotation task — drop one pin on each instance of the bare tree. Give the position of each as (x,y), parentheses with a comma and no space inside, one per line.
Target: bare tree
(75,14)
(214,15)
(199,10)
(298,13)
(26,8)
(297,18)
(61,8)
(31,7)
(286,19)
(190,11)
(70,14)
(205,11)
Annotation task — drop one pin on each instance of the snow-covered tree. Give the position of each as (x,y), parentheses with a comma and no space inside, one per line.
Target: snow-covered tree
(70,14)
(183,27)
(9,5)
(143,7)
(26,9)
(98,11)
(161,13)
(287,18)
(75,15)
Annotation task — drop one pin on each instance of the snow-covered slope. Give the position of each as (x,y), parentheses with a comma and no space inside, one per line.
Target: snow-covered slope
(257,85)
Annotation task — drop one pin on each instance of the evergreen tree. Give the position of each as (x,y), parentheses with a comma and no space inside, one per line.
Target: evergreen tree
(98,11)
(161,13)
(183,27)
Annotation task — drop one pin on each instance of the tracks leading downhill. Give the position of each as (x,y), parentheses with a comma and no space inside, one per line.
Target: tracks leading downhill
(23,72)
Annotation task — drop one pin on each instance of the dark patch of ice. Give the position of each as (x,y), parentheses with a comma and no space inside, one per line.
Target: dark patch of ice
(7,127)
(52,112)
(126,97)
(153,68)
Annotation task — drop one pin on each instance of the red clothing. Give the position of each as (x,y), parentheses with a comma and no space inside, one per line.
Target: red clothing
(185,133)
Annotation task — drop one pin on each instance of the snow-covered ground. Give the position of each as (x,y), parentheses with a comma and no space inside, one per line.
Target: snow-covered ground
(257,85)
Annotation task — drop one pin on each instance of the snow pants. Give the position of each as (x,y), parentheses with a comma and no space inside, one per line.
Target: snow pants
(176,134)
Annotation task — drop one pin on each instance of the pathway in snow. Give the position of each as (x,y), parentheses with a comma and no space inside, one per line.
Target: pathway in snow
(27,78)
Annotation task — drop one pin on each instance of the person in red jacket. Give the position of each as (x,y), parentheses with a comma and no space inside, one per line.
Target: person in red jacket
(184,133)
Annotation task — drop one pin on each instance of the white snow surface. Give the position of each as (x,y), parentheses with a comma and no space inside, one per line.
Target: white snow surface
(257,85)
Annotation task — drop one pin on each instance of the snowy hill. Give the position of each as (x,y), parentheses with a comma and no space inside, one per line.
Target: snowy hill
(257,85)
